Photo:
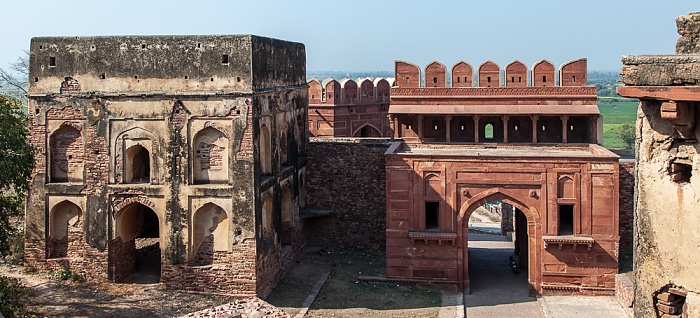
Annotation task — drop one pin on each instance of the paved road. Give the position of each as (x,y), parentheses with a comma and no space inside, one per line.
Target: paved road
(495,290)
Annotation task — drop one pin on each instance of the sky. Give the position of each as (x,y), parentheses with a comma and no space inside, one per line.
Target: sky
(364,35)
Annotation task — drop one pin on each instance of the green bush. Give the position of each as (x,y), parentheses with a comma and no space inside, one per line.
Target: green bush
(14,297)
(67,274)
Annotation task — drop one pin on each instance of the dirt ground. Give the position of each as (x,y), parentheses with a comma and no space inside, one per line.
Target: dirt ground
(341,296)
(54,298)
(344,296)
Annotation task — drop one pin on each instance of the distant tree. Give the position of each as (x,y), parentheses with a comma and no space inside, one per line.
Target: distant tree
(15,80)
(627,133)
(16,164)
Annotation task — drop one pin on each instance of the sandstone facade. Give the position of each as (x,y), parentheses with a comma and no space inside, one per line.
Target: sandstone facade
(527,141)
(190,149)
(349,108)
(667,201)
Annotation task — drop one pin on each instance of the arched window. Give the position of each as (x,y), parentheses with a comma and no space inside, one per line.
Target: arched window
(265,150)
(488,131)
(138,165)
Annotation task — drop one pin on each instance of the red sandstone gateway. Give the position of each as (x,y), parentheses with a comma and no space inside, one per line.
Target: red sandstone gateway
(531,144)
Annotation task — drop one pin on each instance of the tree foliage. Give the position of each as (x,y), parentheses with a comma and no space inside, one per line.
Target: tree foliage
(16,164)
(627,133)
(14,81)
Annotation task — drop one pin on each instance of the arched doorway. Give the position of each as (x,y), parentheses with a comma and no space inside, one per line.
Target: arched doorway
(136,253)
(486,263)
(368,131)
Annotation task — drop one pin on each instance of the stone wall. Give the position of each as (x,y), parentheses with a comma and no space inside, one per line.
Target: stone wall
(667,204)
(349,179)
(626,201)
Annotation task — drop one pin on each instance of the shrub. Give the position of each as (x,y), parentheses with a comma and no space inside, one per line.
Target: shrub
(14,295)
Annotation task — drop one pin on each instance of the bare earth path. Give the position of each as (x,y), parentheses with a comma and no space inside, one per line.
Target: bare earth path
(52,298)
(495,290)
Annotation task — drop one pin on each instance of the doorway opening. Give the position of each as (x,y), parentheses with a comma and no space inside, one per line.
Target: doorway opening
(497,251)
(137,258)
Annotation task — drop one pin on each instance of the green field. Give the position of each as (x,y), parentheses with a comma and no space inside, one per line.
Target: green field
(616,113)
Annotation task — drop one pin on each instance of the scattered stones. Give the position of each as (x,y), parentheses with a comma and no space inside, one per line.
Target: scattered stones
(252,307)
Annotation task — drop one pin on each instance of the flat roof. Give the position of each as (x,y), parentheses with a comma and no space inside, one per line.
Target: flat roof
(581,151)
(495,109)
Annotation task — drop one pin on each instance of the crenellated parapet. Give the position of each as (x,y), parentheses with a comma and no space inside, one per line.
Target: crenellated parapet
(346,91)
(489,74)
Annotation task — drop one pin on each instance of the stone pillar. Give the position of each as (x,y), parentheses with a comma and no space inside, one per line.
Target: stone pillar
(564,130)
(505,128)
(534,128)
(476,128)
(392,125)
(420,127)
(448,127)
(594,126)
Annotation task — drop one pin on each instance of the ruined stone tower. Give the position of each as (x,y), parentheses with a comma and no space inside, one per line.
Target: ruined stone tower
(182,155)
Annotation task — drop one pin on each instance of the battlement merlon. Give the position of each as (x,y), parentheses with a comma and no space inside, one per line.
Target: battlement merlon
(171,64)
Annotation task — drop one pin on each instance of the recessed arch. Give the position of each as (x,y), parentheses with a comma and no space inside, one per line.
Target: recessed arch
(367,131)
(137,165)
(265,150)
(136,247)
(211,158)
(67,154)
(267,230)
(64,226)
(210,234)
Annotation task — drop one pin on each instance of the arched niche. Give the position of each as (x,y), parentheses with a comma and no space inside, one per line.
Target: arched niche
(210,156)
(64,220)
(265,150)
(432,184)
(137,165)
(66,151)
(368,131)
(565,188)
(210,233)
(267,230)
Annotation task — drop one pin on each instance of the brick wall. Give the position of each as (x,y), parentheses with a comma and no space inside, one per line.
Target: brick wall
(626,201)
(348,178)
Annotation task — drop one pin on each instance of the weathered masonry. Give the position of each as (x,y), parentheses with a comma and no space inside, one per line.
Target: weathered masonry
(182,155)
(531,144)
(667,206)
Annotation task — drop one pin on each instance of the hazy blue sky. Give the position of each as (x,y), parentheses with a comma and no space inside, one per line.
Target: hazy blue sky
(369,35)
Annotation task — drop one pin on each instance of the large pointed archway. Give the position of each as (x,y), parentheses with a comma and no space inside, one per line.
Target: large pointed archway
(533,233)
(135,254)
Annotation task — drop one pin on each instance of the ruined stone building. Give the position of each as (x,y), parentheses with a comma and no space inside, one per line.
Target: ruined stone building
(179,156)
(349,108)
(515,136)
(667,202)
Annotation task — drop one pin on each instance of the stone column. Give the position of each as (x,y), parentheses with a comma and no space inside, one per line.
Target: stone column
(534,128)
(448,119)
(505,119)
(392,125)
(476,128)
(564,126)
(420,127)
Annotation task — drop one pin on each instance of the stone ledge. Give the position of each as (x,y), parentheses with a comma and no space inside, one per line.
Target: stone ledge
(664,93)
(568,240)
(432,236)
(661,70)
